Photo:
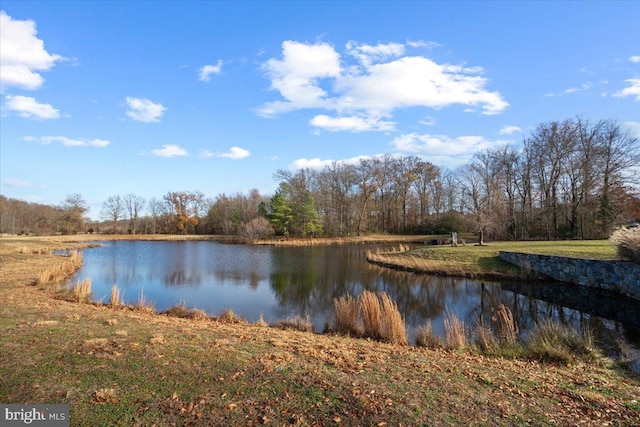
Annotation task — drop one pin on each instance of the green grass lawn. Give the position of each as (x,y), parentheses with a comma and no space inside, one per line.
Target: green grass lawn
(484,259)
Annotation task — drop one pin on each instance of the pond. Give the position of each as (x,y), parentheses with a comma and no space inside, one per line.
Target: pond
(278,283)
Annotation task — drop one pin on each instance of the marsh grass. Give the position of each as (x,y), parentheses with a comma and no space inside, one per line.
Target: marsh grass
(505,325)
(228,316)
(627,243)
(346,316)
(81,291)
(115,299)
(143,304)
(555,342)
(372,315)
(58,273)
(485,338)
(425,337)
(297,323)
(182,311)
(455,332)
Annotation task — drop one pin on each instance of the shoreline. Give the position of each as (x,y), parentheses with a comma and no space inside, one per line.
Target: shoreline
(131,367)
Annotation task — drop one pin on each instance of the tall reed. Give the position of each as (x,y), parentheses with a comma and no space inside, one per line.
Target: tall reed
(378,315)
(505,324)
(346,316)
(82,291)
(455,333)
(371,315)
(116,298)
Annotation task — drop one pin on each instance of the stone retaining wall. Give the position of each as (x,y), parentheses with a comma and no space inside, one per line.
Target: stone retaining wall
(617,276)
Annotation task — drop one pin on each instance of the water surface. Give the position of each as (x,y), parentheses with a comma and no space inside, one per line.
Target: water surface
(282,282)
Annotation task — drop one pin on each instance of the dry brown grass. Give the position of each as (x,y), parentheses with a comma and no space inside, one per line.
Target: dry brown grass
(60,272)
(81,292)
(182,311)
(627,243)
(505,324)
(372,315)
(393,327)
(425,337)
(115,299)
(346,316)
(296,323)
(485,338)
(228,316)
(143,304)
(455,332)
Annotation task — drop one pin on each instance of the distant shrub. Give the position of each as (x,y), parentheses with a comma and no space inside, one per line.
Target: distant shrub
(627,243)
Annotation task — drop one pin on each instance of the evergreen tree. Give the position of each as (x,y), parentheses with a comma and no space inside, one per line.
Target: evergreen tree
(280,213)
(311,223)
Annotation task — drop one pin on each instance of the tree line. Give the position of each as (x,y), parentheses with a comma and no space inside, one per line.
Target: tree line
(568,179)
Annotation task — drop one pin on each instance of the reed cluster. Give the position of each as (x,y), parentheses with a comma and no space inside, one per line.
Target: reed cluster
(550,341)
(60,272)
(182,311)
(297,323)
(627,243)
(372,315)
(81,292)
(116,297)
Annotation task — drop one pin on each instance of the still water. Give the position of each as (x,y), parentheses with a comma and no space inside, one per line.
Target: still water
(282,282)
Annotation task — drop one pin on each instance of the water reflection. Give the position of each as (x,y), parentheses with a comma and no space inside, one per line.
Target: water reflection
(282,282)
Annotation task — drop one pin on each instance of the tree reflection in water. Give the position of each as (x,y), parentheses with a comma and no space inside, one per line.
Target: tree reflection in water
(282,282)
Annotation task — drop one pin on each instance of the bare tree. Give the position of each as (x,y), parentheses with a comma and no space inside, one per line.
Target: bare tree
(133,205)
(112,210)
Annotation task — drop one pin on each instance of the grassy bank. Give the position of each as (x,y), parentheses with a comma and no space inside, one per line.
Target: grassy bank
(483,261)
(119,366)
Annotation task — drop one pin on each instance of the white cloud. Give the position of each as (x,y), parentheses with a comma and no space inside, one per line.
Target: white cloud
(444,148)
(352,123)
(315,163)
(381,80)
(16,183)
(29,108)
(574,89)
(296,76)
(69,142)
(368,54)
(428,121)
(143,110)
(509,130)
(421,43)
(236,153)
(207,70)
(635,59)
(233,153)
(632,90)
(169,150)
(22,54)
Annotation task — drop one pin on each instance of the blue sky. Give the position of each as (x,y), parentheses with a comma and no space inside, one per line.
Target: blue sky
(111,98)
